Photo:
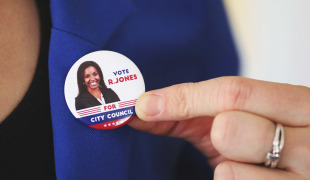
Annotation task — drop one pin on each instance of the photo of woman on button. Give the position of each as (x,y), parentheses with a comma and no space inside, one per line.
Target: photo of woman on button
(92,89)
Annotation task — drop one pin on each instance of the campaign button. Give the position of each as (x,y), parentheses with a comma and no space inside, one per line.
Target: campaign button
(101,89)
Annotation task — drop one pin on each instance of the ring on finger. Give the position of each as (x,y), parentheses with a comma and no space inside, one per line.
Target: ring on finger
(273,156)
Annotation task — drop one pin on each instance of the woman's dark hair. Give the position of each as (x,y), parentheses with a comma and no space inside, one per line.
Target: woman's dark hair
(80,76)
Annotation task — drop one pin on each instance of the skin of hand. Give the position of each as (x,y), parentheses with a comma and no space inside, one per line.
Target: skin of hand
(19,51)
(232,121)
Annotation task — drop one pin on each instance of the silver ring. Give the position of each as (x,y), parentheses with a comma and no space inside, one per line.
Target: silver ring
(273,156)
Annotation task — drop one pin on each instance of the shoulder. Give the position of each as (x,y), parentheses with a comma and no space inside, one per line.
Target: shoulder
(81,101)
(108,91)
(82,96)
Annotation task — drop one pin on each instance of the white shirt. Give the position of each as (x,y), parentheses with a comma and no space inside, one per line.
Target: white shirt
(101,100)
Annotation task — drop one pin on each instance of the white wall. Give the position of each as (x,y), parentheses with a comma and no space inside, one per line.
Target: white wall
(273,38)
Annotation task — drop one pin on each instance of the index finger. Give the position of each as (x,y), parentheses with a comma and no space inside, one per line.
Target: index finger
(283,103)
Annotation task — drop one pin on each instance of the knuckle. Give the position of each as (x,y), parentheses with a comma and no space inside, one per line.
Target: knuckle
(233,93)
(183,100)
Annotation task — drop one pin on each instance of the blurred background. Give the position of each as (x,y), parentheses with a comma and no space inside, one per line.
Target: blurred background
(273,39)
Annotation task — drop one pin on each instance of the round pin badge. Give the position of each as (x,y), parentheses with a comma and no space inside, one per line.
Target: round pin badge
(101,89)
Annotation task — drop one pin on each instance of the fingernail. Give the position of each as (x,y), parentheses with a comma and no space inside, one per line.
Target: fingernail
(151,104)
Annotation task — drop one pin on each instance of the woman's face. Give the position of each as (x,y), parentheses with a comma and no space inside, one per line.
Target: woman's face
(91,78)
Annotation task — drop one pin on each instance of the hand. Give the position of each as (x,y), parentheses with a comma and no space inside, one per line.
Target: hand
(238,116)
